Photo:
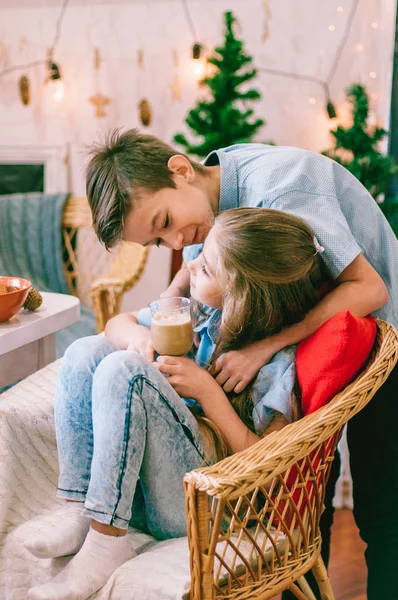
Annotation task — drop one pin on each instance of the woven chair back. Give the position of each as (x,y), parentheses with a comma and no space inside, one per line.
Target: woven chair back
(253,518)
(85,258)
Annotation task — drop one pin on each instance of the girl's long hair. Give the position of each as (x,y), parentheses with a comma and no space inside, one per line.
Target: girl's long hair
(271,272)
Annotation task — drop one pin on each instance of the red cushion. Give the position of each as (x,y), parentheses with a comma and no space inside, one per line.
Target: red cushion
(326,362)
(332,356)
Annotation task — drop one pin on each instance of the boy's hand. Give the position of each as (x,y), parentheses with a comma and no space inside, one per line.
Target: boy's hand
(187,378)
(234,370)
(142,343)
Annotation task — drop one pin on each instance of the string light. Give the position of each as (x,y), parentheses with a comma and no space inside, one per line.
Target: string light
(196,51)
(330,109)
(198,64)
(53,72)
(55,80)
(374,96)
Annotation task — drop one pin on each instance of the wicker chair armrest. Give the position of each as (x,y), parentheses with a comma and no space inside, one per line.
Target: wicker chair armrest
(107,294)
(104,283)
(129,264)
(257,465)
(273,455)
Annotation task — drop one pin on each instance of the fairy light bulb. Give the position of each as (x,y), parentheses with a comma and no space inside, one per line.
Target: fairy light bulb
(311,100)
(359,47)
(372,75)
(198,66)
(331,27)
(340,9)
(55,81)
(198,69)
(375,24)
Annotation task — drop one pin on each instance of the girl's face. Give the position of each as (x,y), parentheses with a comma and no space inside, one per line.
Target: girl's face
(206,285)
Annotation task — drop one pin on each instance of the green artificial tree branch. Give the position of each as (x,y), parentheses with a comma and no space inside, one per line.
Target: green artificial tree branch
(356,146)
(226,116)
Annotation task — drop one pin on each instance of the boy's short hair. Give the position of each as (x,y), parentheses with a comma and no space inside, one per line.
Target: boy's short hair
(125,164)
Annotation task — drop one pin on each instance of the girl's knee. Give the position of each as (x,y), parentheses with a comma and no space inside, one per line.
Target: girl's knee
(119,367)
(87,351)
(123,363)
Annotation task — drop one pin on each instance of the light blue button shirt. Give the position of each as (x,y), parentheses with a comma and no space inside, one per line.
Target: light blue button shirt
(274,384)
(343,215)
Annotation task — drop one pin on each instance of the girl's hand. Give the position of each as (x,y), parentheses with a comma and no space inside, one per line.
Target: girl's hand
(142,343)
(234,370)
(187,378)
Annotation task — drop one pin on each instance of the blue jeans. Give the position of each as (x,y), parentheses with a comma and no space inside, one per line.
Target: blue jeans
(125,439)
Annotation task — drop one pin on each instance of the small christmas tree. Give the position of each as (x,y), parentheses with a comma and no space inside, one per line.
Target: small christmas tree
(225,119)
(356,146)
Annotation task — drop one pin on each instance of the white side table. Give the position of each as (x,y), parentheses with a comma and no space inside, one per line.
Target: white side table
(27,340)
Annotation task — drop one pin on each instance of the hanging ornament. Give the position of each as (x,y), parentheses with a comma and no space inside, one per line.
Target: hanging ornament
(23,42)
(24,89)
(140,58)
(267,18)
(176,87)
(144,107)
(145,112)
(98,100)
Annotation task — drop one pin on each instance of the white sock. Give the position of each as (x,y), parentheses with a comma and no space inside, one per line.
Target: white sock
(66,538)
(89,570)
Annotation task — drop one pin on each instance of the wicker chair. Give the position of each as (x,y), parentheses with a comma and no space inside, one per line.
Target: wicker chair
(253,518)
(97,277)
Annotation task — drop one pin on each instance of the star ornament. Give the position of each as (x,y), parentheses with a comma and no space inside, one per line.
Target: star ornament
(100,102)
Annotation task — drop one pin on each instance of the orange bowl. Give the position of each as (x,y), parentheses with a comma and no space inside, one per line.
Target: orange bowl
(11,302)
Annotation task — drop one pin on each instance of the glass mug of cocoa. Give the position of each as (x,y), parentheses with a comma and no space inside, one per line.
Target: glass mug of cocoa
(172,332)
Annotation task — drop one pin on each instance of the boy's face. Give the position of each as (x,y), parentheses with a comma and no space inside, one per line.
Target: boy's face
(172,217)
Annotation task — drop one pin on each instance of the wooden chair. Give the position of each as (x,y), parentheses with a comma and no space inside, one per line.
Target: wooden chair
(99,278)
(253,518)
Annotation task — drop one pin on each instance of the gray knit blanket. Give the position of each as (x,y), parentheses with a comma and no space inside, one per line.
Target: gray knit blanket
(31,247)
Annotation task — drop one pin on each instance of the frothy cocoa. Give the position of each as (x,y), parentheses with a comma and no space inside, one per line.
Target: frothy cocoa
(172,334)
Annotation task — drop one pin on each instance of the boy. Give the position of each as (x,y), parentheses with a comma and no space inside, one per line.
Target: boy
(140,190)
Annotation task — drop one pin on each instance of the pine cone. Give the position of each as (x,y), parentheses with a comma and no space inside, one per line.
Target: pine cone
(33,300)
(145,112)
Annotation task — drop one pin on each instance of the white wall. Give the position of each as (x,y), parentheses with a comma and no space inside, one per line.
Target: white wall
(299,41)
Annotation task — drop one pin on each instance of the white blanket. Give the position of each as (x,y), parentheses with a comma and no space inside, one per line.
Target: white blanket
(28,483)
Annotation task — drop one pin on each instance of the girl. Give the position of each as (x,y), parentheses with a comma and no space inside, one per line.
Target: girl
(125,435)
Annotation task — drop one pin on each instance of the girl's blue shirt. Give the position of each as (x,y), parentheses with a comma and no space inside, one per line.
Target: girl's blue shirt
(274,384)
